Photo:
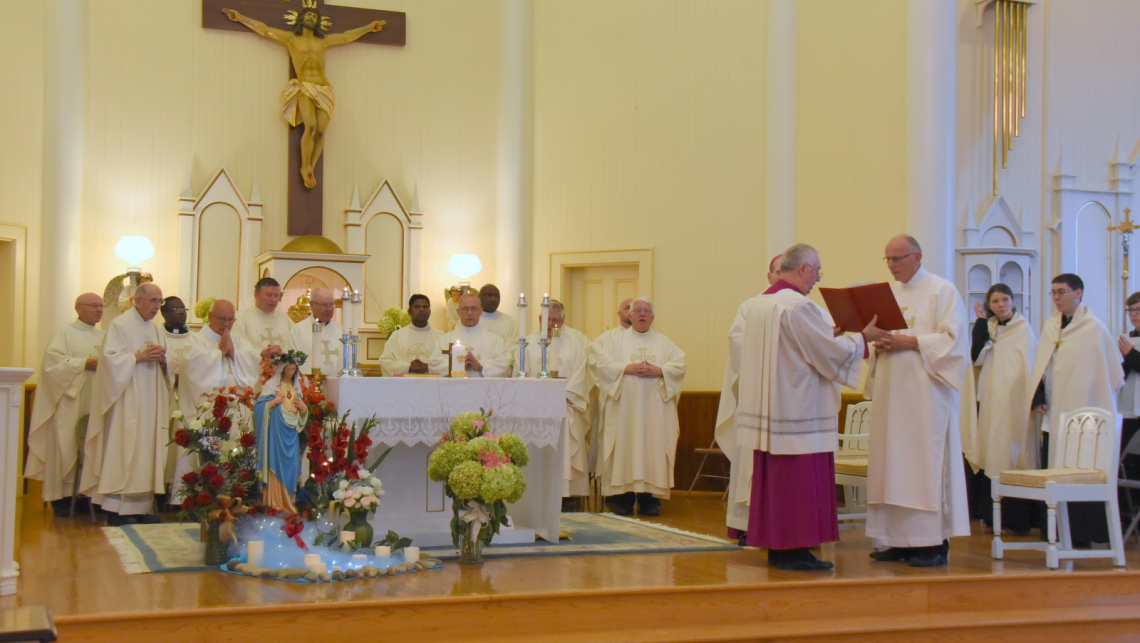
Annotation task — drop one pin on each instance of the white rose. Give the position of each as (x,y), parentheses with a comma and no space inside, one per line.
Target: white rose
(177,415)
(338,495)
(205,405)
(344,484)
(196,425)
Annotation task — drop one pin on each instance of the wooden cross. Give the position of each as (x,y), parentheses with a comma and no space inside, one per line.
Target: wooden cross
(305,203)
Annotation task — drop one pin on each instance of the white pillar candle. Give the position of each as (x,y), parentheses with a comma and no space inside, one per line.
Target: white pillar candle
(542,331)
(311,559)
(319,568)
(314,351)
(383,550)
(358,310)
(411,554)
(458,355)
(522,318)
(347,536)
(255,552)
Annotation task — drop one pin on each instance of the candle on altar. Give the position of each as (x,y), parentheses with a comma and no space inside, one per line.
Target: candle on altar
(255,552)
(357,311)
(522,317)
(316,344)
(542,330)
(346,310)
(347,536)
(312,559)
(319,568)
(383,550)
(411,554)
(458,357)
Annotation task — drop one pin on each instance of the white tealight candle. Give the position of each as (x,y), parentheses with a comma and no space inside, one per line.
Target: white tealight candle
(359,560)
(383,550)
(312,559)
(255,552)
(347,536)
(319,568)
(411,554)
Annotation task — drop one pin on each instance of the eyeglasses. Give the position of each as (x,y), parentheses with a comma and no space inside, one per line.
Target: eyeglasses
(321,305)
(224,320)
(92,305)
(1133,309)
(1060,293)
(899,258)
(175,310)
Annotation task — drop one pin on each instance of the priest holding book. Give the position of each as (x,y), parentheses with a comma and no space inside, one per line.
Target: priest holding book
(783,429)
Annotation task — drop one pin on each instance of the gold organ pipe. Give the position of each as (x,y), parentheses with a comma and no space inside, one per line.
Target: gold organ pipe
(1024,49)
(997,93)
(1011,35)
(1016,87)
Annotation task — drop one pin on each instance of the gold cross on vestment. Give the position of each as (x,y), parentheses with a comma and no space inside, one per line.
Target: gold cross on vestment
(641,356)
(419,352)
(327,352)
(269,337)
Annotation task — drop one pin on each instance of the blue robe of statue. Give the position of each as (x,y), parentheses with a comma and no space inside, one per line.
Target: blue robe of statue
(278,449)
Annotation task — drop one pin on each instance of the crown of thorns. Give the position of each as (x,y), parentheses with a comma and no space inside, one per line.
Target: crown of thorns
(294,357)
(292,16)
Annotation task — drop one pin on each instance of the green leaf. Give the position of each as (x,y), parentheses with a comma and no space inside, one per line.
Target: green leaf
(376,465)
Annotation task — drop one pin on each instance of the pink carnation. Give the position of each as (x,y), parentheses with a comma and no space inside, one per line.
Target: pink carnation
(478,424)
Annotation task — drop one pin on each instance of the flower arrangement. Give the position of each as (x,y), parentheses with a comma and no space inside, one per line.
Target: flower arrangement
(392,320)
(361,495)
(222,439)
(202,308)
(482,472)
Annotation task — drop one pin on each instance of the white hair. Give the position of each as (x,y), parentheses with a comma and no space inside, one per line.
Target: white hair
(798,254)
(641,298)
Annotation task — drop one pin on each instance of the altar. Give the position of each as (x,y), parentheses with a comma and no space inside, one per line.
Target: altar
(413,412)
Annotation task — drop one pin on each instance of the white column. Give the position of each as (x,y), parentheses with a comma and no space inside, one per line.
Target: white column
(11,397)
(931,81)
(60,231)
(780,127)
(516,152)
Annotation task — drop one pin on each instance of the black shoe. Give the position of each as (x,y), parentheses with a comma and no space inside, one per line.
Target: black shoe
(621,510)
(892,555)
(62,507)
(147,519)
(653,509)
(115,520)
(800,560)
(742,540)
(930,557)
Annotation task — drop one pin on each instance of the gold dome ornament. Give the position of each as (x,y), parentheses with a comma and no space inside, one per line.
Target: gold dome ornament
(313,244)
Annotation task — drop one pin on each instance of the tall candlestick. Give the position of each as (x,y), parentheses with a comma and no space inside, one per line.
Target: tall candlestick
(522,315)
(357,312)
(542,331)
(316,345)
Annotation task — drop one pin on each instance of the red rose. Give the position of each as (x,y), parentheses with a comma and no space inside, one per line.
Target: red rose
(219,412)
(221,401)
(209,471)
(248,440)
(227,467)
(238,491)
(187,504)
(190,478)
(205,498)
(217,481)
(182,437)
(224,424)
(272,511)
(246,475)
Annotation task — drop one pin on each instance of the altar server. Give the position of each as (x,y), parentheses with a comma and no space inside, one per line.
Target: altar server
(63,399)
(125,450)
(263,326)
(1077,364)
(327,354)
(484,354)
(640,374)
(1003,344)
(213,359)
(1129,403)
(566,355)
(413,349)
(916,486)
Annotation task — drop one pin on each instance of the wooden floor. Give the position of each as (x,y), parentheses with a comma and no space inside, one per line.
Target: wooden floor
(68,566)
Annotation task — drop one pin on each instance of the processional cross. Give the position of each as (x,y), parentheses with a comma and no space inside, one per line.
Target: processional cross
(1126,227)
(308,96)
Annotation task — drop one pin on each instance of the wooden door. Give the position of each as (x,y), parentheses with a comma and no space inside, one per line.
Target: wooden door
(595,294)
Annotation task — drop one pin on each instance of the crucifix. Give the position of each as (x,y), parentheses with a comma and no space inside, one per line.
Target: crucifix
(308,96)
(1125,229)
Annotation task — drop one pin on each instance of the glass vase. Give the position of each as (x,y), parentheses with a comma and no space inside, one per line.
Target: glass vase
(358,522)
(471,551)
(216,550)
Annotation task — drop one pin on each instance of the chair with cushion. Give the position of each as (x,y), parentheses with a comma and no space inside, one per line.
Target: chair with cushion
(851,462)
(1083,461)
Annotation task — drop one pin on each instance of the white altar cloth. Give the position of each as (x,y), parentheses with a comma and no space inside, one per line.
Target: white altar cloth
(414,411)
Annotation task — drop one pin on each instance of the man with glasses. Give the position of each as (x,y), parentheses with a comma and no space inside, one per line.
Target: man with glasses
(640,374)
(325,354)
(483,353)
(63,397)
(214,358)
(1077,364)
(125,450)
(263,326)
(916,487)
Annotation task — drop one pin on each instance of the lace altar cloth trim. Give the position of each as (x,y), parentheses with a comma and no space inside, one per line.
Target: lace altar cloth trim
(417,410)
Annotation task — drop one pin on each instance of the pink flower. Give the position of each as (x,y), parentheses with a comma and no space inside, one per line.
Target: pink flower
(478,424)
(491,436)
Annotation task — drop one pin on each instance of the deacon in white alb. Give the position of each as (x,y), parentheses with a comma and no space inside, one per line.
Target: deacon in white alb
(62,398)
(125,450)
(177,337)
(566,354)
(640,374)
(414,349)
(916,485)
(499,323)
(484,354)
(327,353)
(262,325)
(215,358)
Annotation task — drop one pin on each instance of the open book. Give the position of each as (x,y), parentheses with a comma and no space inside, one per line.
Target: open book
(852,308)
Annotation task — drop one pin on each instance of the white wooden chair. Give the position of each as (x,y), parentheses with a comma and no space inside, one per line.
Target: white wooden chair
(1084,454)
(851,462)
(1123,482)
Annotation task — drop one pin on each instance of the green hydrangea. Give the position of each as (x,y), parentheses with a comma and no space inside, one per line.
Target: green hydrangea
(486,445)
(463,426)
(202,308)
(447,456)
(498,484)
(519,487)
(513,446)
(392,320)
(466,480)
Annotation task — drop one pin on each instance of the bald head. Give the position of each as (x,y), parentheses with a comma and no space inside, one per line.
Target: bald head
(470,309)
(903,256)
(222,316)
(322,304)
(148,299)
(623,313)
(89,307)
(774,269)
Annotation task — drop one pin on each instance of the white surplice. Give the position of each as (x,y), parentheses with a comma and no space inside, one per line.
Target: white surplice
(506,328)
(1081,365)
(566,354)
(1005,438)
(327,355)
(916,485)
(262,329)
(412,343)
(641,426)
(125,450)
(63,397)
(487,347)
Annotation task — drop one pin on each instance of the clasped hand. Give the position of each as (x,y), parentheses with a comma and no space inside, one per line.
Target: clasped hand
(1124,345)
(152,353)
(643,369)
(470,362)
(226,345)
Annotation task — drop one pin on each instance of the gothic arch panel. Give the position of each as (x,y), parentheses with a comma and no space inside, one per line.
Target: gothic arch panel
(219,253)
(384,270)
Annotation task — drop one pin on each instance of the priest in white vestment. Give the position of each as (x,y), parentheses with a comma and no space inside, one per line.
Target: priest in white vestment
(414,349)
(125,450)
(483,353)
(324,348)
(262,325)
(566,355)
(597,397)
(214,359)
(497,322)
(640,374)
(172,318)
(1077,364)
(916,486)
(63,398)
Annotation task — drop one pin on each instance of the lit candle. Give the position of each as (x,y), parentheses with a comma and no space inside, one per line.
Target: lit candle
(542,331)
(411,554)
(316,344)
(522,317)
(347,536)
(458,355)
(255,552)
(383,550)
(312,559)
(319,568)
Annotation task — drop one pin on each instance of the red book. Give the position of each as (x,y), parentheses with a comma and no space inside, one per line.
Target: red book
(852,308)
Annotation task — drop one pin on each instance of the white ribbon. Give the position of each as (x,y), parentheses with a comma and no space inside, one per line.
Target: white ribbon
(476,516)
